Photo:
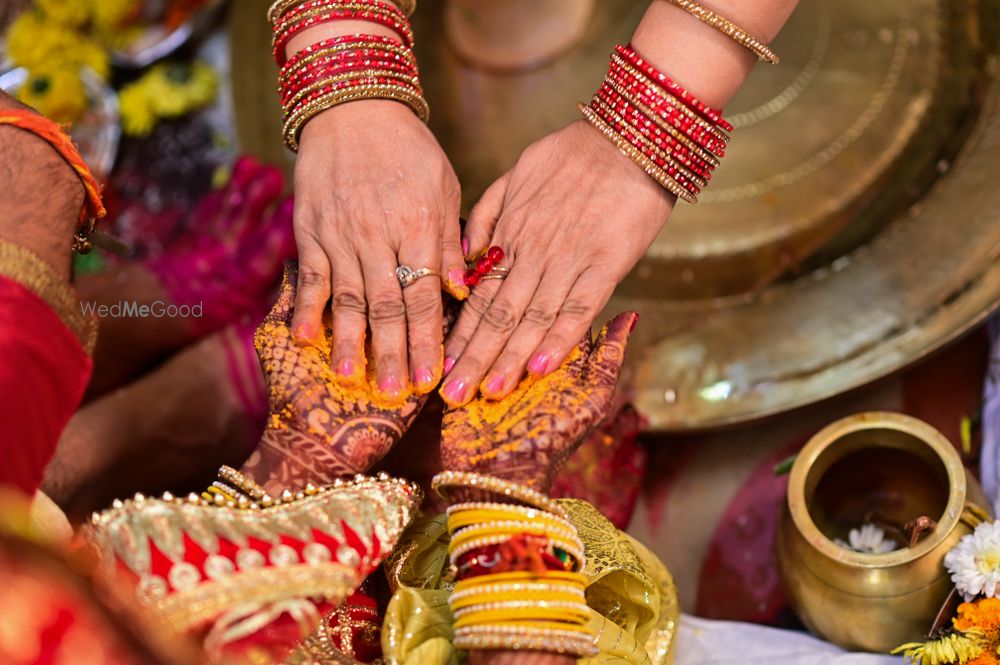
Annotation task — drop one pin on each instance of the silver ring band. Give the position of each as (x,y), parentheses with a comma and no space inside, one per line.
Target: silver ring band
(407,275)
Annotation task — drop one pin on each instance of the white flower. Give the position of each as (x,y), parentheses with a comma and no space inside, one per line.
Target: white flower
(869,539)
(974,563)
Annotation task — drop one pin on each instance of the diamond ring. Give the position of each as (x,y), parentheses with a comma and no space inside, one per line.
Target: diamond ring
(407,275)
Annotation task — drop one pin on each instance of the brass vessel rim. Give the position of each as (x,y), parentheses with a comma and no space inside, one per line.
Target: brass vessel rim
(876,420)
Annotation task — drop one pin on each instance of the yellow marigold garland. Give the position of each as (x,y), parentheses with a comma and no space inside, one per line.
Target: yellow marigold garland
(167,90)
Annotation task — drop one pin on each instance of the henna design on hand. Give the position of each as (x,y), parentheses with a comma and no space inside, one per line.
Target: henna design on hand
(322,426)
(526,436)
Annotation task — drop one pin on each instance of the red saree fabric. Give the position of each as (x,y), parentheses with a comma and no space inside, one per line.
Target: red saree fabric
(43,373)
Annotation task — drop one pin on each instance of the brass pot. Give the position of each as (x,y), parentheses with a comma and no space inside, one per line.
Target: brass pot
(902,468)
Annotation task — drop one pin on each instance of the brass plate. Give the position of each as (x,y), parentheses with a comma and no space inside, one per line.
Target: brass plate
(829,250)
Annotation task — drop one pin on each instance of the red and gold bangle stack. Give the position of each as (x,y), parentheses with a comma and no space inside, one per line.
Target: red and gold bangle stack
(342,69)
(519,572)
(677,139)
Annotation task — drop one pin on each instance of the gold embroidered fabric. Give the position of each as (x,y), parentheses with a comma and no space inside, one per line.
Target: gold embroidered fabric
(34,274)
(631,595)
(365,510)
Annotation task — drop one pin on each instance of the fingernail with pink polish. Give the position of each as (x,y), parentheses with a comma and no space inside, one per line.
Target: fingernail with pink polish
(449,363)
(539,363)
(423,377)
(465,246)
(345,367)
(389,385)
(495,384)
(635,321)
(455,391)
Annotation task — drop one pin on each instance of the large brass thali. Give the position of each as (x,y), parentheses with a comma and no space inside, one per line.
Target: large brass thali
(853,228)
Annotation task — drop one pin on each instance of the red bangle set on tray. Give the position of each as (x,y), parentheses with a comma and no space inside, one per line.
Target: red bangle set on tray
(673,136)
(342,69)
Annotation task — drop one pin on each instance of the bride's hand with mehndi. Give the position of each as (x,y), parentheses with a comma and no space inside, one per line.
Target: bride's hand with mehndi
(526,436)
(320,427)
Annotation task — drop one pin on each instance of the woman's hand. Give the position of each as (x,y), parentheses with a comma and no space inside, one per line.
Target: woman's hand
(373,191)
(318,429)
(526,436)
(573,216)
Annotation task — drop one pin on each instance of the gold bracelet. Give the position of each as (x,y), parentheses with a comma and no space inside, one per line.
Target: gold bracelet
(289,106)
(506,488)
(728,28)
(568,609)
(304,113)
(630,151)
(329,51)
(520,596)
(646,141)
(576,615)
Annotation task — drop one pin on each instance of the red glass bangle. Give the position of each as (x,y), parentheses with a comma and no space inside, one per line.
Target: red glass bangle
(626,132)
(665,159)
(667,112)
(652,131)
(366,57)
(294,27)
(289,91)
(332,42)
(352,83)
(658,77)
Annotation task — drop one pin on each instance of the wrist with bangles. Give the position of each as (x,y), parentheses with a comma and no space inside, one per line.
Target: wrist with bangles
(518,565)
(346,68)
(674,137)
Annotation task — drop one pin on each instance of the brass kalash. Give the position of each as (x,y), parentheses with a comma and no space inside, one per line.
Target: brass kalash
(898,468)
(853,227)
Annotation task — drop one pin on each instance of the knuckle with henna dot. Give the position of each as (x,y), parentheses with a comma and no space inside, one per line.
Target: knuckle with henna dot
(349,301)
(387,310)
(500,316)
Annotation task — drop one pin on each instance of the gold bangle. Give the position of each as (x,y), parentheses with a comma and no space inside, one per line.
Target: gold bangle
(329,51)
(293,124)
(646,141)
(564,577)
(289,106)
(511,596)
(518,587)
(495,485)
(729,29)
(243,483)
(510,529)
(575,646)
(667,98)
(468,518)
(572,609)
(510,627)
(630,151)
(572,616)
